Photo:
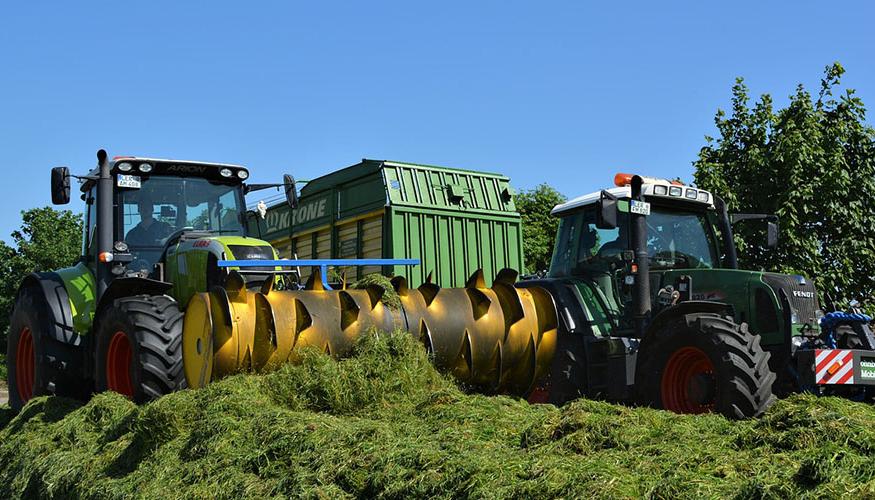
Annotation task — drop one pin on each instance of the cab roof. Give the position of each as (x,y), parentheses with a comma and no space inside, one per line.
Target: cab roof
(144,166)
(656,190)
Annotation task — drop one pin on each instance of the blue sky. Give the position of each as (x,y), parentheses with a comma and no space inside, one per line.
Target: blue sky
(560,92)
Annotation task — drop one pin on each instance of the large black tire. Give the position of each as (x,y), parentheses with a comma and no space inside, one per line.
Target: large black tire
(139,347)
(705,362)
(28,371)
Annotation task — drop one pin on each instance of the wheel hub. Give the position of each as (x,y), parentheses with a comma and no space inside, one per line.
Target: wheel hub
(688,383)
(118,365)
(25,363)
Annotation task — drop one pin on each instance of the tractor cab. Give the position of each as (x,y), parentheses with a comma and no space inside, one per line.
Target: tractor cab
(685,234)
(683,231)
(163,222)
(156,202)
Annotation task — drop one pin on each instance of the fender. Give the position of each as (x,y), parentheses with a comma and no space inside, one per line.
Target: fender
(126,287)
(689,307)
(55,293)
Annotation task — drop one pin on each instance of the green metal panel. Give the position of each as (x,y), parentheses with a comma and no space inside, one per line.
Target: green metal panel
(82,292)
(455,221)
(452,245)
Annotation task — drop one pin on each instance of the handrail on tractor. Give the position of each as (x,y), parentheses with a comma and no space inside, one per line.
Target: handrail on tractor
(322,264)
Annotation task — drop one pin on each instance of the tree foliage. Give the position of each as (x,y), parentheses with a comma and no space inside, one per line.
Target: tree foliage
(812,164)
(48,239)
(539,227)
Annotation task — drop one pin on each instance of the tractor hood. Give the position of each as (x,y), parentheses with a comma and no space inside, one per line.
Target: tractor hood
(191,264)
(759,299)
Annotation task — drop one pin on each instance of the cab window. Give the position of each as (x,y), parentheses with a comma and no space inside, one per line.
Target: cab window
(583,248)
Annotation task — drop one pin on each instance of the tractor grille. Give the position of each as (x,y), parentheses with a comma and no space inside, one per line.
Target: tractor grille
(800,292)
(245,252)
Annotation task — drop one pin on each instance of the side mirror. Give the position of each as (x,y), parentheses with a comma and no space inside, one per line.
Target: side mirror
(60,185)
(167,212)
(291,191)
(771,234)
(771,225)
(606,211)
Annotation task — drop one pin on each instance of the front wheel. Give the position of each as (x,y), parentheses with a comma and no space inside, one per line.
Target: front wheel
(139,348)
(705,363)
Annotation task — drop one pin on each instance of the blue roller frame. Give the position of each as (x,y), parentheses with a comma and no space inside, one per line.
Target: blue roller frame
(322,264)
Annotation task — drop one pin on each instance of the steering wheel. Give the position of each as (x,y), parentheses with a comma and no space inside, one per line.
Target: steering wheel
(675,259)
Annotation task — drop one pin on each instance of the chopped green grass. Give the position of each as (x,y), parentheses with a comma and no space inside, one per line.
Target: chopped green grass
(384,423)
(390,296)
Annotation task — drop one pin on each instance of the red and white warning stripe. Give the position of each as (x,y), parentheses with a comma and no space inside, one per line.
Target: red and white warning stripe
(834,366)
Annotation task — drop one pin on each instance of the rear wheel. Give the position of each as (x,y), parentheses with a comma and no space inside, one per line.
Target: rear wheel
(139,348)
(28,373)
(705,363)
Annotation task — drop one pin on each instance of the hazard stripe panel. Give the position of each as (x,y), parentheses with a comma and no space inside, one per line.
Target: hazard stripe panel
(834,366)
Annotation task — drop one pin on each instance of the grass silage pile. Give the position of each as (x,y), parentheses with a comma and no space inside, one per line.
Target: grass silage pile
(384,423)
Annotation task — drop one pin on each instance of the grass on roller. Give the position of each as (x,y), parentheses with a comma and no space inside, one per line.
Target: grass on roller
(390,296)
(384,423)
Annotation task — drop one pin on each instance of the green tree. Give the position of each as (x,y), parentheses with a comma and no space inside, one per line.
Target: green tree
(539,227)
(812,164)
(48,239)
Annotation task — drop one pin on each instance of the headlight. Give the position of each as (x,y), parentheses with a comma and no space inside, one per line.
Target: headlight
(703,196)
(242,174)
(125,166)
(660,190)
(226,172)
(675,191)
(692,194)
(145,167)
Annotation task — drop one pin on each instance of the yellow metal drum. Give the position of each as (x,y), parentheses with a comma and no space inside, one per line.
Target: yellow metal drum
(500,339)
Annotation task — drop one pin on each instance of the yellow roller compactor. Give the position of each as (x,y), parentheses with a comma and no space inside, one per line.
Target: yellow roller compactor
(172,292)
(500,338)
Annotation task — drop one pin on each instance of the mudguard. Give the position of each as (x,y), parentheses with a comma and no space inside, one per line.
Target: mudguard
(689,307)
(125,287)
(55,293)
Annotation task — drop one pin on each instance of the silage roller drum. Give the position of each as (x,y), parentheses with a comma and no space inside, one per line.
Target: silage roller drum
(499,339)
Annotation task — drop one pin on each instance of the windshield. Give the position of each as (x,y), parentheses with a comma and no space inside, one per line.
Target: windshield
(162,206)
(679,239)
(675,239)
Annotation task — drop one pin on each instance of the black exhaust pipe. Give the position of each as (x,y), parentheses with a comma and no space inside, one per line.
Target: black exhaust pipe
(104,223)
(641,288)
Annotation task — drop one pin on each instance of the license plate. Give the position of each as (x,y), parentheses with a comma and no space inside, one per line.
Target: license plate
(639,207)
(128,181)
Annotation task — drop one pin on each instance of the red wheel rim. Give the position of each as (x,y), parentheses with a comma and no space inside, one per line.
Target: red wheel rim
(688,383)
(118,365)
(25,362)
(539,395)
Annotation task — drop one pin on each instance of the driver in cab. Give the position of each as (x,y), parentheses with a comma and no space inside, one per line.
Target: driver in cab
(148,232)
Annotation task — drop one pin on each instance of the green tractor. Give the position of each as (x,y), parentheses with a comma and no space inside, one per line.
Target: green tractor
(653,309)
(153,234)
